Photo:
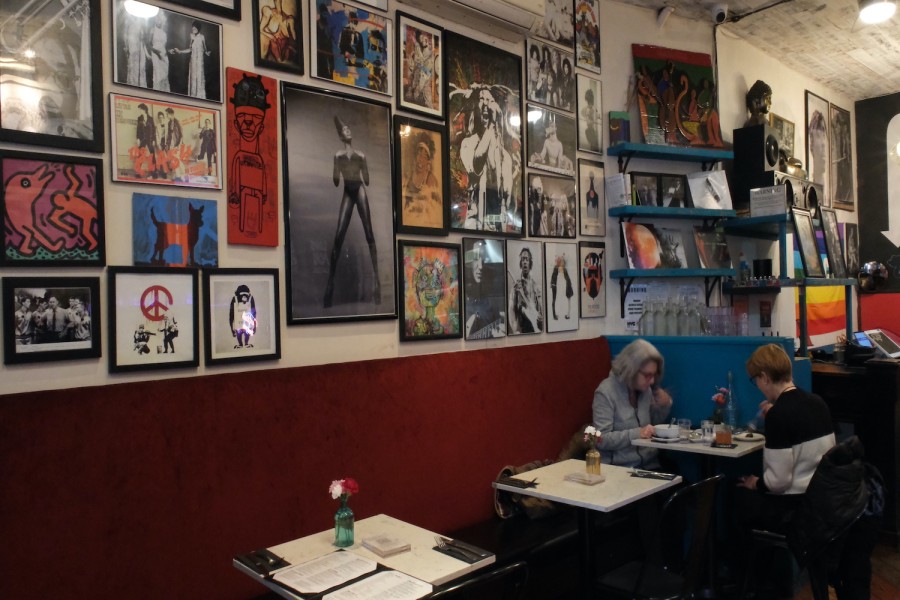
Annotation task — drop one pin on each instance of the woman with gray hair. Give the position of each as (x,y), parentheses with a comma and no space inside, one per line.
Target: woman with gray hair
(628,403)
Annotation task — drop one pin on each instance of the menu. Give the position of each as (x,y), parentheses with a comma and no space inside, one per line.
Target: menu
(326,572)
(385,585)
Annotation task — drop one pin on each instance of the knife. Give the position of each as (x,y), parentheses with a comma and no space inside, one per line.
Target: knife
(469,548)
(458,553)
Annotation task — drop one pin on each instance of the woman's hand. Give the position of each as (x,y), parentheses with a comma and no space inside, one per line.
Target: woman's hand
(661,398)
(764,407)
(748,481)
(646,432)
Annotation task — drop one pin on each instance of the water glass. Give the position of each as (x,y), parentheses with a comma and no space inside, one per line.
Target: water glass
(707,428)
(684,428)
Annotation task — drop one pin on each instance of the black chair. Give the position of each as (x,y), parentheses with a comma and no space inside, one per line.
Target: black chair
(684,533)
(503,583)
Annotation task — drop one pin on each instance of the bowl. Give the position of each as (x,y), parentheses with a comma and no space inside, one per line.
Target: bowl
(666,431)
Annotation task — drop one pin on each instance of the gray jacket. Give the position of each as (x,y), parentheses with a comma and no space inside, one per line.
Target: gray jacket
(620,423)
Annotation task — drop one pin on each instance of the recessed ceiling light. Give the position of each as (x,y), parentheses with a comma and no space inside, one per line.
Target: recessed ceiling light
(876,11)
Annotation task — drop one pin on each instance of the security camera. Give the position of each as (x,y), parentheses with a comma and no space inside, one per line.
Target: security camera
(719,13)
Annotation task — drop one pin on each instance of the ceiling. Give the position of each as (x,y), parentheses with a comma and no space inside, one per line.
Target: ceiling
(823,39)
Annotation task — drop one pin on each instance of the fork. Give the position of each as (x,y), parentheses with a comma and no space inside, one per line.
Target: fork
(443,545)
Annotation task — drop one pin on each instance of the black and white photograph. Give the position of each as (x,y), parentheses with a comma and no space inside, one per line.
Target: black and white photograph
(166,51)
(709,189)
(673,191)
(592,257)
(338,197)
(558,25)
(851,248)
(591,198)
(484,282)
(525,287)
(837,266)
(806,241)
(561,286)
(645,189)
(590,115)
(817,136)
(784,132)
(551,206)
(841,153)
(230,9)
(551,76)
(551,141)
(587,34)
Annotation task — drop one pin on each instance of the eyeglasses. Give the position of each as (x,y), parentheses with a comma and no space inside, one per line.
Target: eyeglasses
(648,374)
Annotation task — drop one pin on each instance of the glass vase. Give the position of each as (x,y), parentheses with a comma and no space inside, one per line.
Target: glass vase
(592,461)
(343,525)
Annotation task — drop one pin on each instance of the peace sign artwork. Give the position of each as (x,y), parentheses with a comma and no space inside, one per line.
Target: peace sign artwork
(153,323)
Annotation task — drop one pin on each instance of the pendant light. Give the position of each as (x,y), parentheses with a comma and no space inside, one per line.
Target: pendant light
(876,11)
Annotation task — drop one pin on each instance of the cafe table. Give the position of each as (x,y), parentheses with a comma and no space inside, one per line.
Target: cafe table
(710,452)
(420,561)
(619,488)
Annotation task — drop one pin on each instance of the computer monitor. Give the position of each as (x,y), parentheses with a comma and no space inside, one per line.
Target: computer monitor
(881,341)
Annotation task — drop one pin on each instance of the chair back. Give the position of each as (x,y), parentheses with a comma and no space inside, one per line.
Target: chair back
(503,583)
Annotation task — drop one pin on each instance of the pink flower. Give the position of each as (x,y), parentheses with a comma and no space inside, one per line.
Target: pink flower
(721,396)
(341,487)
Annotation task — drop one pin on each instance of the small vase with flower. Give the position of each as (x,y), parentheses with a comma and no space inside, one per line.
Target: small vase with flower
(343,519)
(592,457)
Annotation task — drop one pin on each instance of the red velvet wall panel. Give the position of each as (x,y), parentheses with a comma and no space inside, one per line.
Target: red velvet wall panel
(146,490)
(879,311)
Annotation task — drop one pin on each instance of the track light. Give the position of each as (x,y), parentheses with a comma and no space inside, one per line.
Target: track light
(662,15)
(876,11)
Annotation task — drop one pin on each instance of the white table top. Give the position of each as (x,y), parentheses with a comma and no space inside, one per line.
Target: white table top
(619,489)
(742,449)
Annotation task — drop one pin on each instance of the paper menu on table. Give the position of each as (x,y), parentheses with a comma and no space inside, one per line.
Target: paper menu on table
(385,585)
(324,573)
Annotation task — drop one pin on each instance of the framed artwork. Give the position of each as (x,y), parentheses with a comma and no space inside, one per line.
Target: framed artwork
(144,150)
(170,231)
(645,189)
(351,46)
(673,191)
(52,207)
(379,4)
(430,306)
(642,247)
(591,198)
(551,206)
(590,115)
(551,141)
(558,25)
(817,140)
(712,248)
(829,223)
(230,9)
(153,318)
(50,318)
(166,51)
(525,287)
(485,287)
(561,286)
(587,34)
(784,132)
(420,66)
(551,77)
(275,41)
(851,248)
(420,172)
(709,189)
(242,315)
(54,99)
(841,165)
(251,147)
(806,240)
(489,196)
(592,258)
(338,206)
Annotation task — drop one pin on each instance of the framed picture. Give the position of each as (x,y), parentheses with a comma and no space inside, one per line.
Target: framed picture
(430,306)
(591,198)
(242,315)
(54,99)
(643,246)
(143,151)
(673,191)
(420,66)
(275,41)
(485,286)
(829,223)
(153,319)
(712,248)
(851,248)
(525,286)
(806,240)
(551,78)
(230,9)
(168,231)
(592,258)
(53,210)
(166,51)
(817,110)
(339,231)
(561,286)
(558,25)
(351,46)
(50,318)
(551,206)
(489,197)
(587,34)
(841,165)
(421,177)
(709,189)
(551,141)
(379,4)
(784,132)
(645,189)
(590,115)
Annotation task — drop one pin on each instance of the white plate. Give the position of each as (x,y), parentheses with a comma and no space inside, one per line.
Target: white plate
(653,438)
(744,437)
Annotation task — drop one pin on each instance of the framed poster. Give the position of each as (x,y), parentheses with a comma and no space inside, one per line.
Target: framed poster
(557,25)
(485,288)
(164,143)
(153,319)
(52,207)
(50,318)
(587,34)
(351,46)
(54,99)
(590,115)
(806,241)
(275,41)
(550,75)
(430,306)
(166,51)
(645,188)
(817,140)
(420,66)
(551,141)
(241,316)
(421,175)
(230,9)
(483,98)
(841,164)
(851,248)
(561,286)
(525,286)
(170,231)
(591,198)
(673,191)
(592,258)
(829,223)
(338,206)
(251,149)
(551,206)
(784,132)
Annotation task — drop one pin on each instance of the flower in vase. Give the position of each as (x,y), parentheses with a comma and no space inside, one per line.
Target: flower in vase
(343,487)
(592,436)
(720,399)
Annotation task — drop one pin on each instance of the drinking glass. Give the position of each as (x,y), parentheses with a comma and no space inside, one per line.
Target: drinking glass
(684,428)
(723,435)
(707,428)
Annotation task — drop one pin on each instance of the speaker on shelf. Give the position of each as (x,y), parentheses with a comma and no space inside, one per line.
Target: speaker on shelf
(755,149)
(813,197)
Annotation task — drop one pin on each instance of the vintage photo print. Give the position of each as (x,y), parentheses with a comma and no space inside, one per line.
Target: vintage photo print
(421,176)
(420,66)
(784,133)
(551,76)
(841,167)
(276,24)
(430,306)
(673,191)
(587,34)
(551,206)
(645,189)
(590,115)
(592,257)
(168,231)
(557,25)
(485,288)
(851,248)
(525,286)
(561,285)
(551,141)
(591,198)
(817,136)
